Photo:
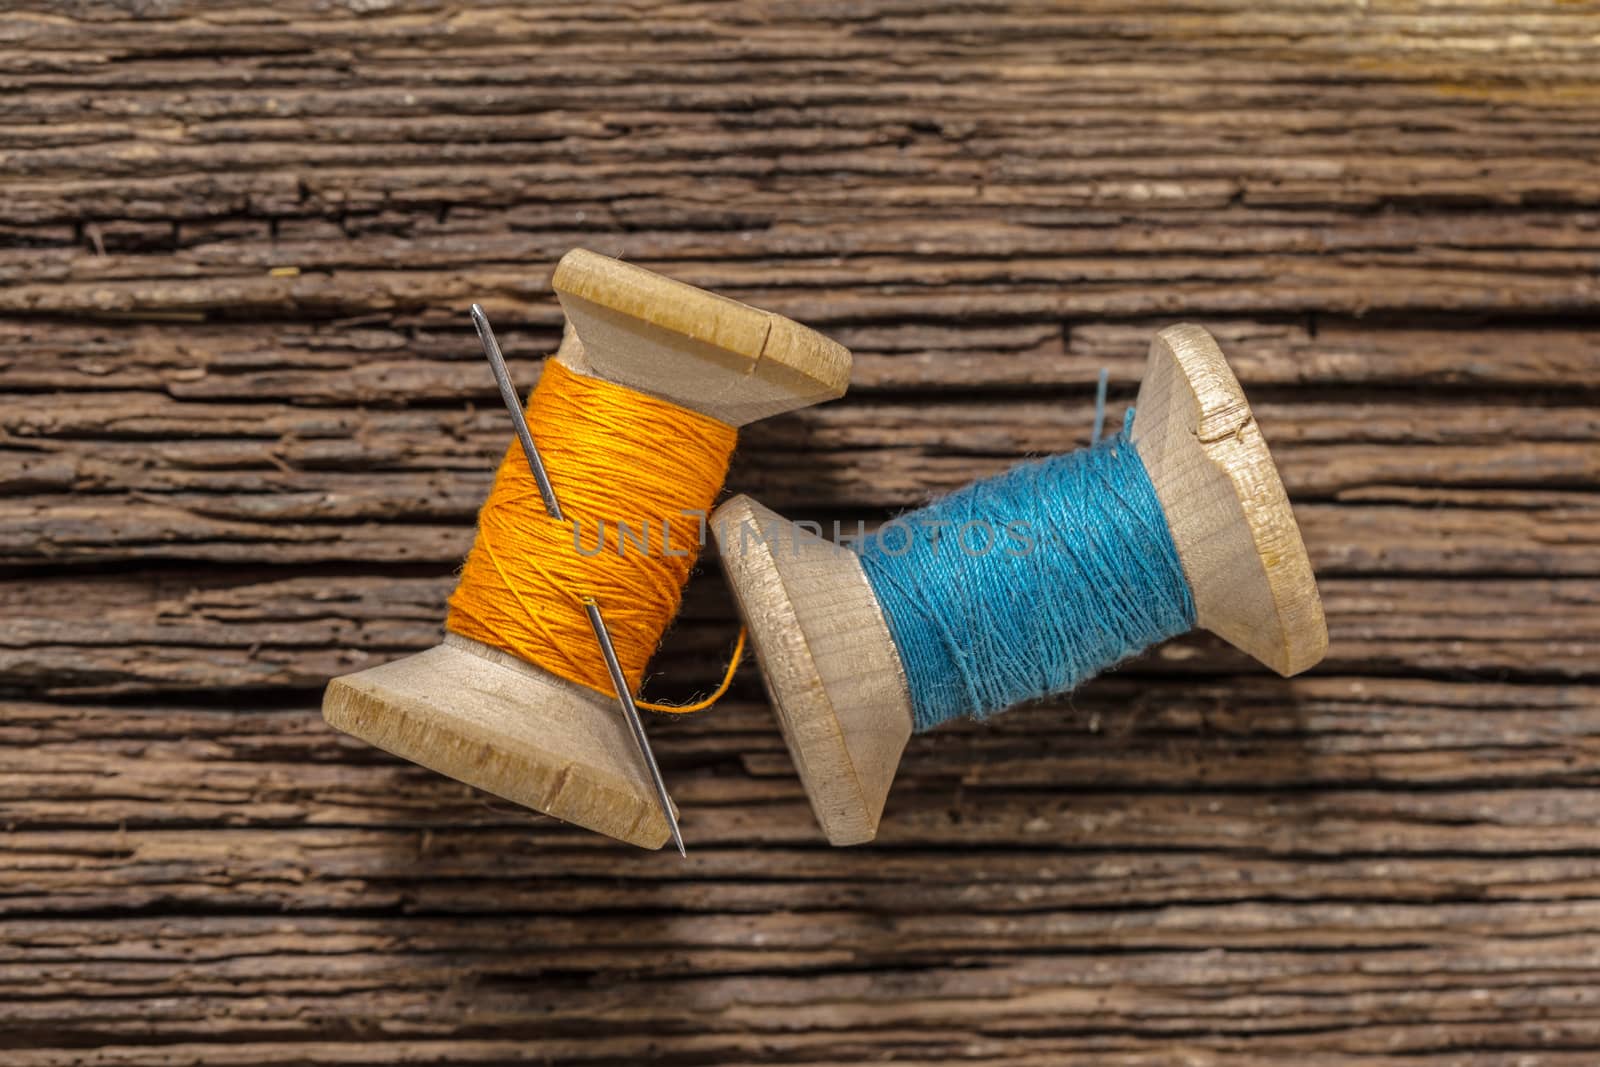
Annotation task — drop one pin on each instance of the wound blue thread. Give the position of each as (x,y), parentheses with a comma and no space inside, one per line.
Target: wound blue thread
(979,631)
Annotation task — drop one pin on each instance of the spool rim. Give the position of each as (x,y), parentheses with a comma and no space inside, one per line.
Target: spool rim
(838,689)
(1226,506)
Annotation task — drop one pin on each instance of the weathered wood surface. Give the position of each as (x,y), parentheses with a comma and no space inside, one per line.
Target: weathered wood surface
(244,428)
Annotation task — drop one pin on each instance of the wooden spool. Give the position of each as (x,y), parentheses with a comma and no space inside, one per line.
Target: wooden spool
(487,718)
(831,666)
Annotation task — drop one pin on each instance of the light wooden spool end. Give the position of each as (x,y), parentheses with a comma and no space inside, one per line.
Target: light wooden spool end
(487,718)
(830,664)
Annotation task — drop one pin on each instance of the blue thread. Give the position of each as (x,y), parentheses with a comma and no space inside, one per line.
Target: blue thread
(979,631)
(1100,405)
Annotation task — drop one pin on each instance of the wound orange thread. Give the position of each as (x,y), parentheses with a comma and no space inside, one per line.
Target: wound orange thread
(633,465)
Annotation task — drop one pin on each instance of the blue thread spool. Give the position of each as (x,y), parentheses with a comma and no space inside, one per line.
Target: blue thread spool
(1179,521)
(1029,583)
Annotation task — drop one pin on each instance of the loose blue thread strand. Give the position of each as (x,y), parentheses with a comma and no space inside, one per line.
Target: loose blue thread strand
(1100,406)
(981,630)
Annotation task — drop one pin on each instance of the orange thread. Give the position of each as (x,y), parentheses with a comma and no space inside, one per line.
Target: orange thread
(630,465)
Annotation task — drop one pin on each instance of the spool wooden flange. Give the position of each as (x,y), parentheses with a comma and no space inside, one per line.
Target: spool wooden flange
(489,719)
(831,666)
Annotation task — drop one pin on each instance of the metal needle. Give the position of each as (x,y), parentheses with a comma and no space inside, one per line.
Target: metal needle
(508,393)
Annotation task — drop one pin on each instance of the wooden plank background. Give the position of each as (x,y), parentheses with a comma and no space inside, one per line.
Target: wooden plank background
(244,428)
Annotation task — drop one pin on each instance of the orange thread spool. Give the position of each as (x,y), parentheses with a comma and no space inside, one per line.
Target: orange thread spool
(616,458)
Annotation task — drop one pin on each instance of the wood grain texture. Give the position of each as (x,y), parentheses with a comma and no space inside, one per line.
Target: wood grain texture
(244,427)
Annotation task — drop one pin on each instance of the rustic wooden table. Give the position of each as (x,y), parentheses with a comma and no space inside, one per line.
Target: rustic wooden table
(246,426)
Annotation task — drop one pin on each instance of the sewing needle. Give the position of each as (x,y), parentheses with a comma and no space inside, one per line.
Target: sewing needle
(552,507)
